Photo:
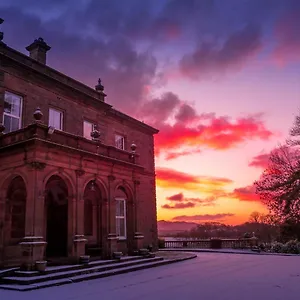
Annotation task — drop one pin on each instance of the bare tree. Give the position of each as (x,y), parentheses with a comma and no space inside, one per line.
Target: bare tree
(279,185)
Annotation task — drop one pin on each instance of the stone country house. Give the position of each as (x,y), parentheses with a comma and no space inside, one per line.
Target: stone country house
(77,176)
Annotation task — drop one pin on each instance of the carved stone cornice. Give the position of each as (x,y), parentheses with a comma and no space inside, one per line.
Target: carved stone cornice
(79,172)
(37,165)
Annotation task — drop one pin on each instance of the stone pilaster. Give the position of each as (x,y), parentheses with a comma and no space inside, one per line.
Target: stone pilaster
(79,242)
(138,235)
(32,250)
(110,245)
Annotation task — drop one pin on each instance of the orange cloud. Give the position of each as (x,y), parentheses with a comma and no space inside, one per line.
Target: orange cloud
(183,131)
(246,193)
(220,133)
(206,217)
(169,178)
(179,205)
(183,202)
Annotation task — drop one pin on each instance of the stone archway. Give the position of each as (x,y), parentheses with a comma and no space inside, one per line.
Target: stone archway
(15,209)
(56,217)
(93,218)
(12,218)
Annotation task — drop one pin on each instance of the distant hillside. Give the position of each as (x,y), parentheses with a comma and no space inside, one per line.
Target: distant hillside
(168,227)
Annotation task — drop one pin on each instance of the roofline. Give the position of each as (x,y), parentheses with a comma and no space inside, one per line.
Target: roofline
(70,82)
(131,119)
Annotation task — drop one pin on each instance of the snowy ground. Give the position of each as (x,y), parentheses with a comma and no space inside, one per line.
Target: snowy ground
(210,276)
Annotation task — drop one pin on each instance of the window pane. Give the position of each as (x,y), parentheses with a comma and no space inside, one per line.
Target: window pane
(14,124)
(122,208)
(122,227)
(118,227)
(87,129)
(7,122)
(119,141)
(7,104)
(117,207)
(12,104)
(55,118)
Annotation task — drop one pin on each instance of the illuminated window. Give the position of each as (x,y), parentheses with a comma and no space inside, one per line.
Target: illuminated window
(120,142)
(12,112)
(88,128)
(56,118)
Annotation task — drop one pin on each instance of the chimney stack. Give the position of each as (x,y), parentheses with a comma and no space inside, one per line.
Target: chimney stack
(38,50)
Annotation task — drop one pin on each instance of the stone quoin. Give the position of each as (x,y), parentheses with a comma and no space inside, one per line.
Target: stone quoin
(77,177)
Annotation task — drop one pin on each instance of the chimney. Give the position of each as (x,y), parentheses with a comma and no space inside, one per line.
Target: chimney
(38,50)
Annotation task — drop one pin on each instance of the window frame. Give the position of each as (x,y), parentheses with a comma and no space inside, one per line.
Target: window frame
(94,125)
(20,119)
(61,118)
(119,217)
(123,139)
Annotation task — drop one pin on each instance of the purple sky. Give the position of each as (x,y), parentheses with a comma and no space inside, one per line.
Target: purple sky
(220,79)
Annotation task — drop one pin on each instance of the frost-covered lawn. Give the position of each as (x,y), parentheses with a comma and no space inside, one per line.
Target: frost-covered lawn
(211,276)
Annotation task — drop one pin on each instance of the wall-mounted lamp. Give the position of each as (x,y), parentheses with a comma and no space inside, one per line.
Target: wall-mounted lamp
(133,150)
(92,186)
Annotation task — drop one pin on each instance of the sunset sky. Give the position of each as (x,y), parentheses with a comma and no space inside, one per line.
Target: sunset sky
(220,79)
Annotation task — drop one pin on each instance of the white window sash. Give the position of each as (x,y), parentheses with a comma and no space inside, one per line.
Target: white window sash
(56,112)
(88,136)
(19,118)
(120,142)
(119,218)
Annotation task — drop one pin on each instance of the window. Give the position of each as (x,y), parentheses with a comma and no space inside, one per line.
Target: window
(12,112)
(56,118)
(121,218)
(120,142)
(88,127)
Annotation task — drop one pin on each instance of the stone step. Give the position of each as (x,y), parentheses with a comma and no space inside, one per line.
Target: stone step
(65,268)
(144,264)
(76,273)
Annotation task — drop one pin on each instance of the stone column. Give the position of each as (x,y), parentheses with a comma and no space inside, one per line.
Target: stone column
(33,244)
(111,245)
(79,240)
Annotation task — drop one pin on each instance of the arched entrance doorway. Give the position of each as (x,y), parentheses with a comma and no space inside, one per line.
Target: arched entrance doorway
(14,219)
(56,210)
(93,218)
(16,208)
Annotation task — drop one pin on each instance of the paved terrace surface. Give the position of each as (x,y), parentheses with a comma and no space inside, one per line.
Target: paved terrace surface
(210,276)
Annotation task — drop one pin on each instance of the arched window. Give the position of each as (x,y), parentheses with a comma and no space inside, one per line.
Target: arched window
(16,196)
(88,217)
(121,213)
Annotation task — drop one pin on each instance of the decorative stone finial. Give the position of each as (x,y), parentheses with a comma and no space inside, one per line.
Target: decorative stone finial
(133,147)
(95,134)
(2,128)
(1,33)
(38,115)
(99,87)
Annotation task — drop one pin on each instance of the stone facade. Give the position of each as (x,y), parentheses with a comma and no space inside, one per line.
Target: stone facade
(61,194)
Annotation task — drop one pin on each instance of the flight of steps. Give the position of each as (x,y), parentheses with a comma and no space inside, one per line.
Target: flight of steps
(58,275)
